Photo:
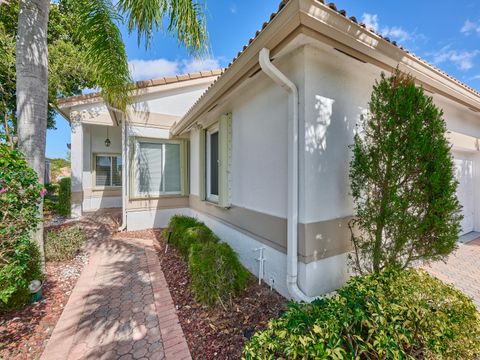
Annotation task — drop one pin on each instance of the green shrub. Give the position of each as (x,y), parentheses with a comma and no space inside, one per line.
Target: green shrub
(64,206)
(23,266)
(178,224)
(402,179)
(187,231)
(50,201)
(216,273)
(20,194)
(387,315)
(64,244)
(195,235)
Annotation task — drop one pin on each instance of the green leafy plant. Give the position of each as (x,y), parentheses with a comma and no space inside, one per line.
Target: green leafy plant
(64,244)
(394,314)
(195,235)
(402,180)
(21,264)
(178,224)
(20,194)
(217,274)
(64,205)
(185,231)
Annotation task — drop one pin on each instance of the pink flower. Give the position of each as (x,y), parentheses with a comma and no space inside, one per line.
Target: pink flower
(43,192)
(3,191)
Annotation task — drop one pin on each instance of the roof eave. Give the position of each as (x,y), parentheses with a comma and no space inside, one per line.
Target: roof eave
(315,18)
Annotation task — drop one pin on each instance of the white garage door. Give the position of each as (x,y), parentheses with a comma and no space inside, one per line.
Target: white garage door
(464,173)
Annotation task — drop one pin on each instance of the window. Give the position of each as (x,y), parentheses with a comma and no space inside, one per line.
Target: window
(212,164)
(158,168)
(108,170)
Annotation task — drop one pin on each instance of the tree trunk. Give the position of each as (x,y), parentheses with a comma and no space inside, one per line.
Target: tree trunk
(32,88)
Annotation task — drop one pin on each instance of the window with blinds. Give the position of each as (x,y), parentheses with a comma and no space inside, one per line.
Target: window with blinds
(108,170)
(158,169)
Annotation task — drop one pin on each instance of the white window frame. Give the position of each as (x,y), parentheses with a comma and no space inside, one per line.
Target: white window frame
(135,193)
(212,130)
(94,171)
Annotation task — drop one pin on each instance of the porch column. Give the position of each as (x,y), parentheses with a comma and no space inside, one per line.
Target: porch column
(76,160)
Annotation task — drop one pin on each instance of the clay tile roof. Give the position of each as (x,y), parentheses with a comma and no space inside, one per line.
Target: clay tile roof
(354,20)
(149,83)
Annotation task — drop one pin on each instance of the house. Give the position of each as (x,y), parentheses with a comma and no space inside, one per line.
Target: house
(262,155)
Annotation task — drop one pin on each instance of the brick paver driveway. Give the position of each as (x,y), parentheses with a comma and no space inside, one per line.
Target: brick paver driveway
(462,269)
(120,309)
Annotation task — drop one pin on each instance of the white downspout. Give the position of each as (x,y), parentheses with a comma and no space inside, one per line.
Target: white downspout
(292,216)
(124,175)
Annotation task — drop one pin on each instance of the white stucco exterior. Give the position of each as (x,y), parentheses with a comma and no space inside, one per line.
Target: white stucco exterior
(334,65)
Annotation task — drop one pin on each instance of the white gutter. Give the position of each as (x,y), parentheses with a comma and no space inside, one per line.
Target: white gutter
(124,175)
(292,217)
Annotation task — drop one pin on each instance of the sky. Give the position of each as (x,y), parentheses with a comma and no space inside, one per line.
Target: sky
(447,34)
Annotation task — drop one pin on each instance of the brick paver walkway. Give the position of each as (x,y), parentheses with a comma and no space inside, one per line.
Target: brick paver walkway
(462,269)
(120,309)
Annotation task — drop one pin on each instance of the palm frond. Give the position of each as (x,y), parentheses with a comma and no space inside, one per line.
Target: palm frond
(186,20)
(105,51)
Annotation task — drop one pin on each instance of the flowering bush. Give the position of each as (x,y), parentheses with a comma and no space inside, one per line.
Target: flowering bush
(20,194)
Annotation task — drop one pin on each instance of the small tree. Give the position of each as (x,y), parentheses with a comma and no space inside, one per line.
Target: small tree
(402,180)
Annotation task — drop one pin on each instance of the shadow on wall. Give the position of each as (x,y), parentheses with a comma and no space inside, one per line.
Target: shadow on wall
(335,110)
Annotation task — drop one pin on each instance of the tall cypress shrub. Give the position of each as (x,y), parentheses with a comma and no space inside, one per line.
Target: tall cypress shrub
(65,197)
(402,180)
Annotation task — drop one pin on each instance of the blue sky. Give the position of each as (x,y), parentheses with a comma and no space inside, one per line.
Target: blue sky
(445,34)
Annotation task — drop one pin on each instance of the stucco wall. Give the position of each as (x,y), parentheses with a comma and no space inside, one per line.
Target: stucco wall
(337,92)
(334,92)
(259,142)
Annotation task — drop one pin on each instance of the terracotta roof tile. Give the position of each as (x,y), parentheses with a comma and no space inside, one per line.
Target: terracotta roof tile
(354,20)
(149,83)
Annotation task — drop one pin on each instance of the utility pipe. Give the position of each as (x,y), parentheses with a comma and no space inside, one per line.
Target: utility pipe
(292,215)
(124,175)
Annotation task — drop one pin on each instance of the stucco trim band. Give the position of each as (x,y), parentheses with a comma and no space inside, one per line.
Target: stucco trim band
(318,240)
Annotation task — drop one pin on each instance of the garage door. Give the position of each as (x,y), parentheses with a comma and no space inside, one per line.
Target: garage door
(464,173)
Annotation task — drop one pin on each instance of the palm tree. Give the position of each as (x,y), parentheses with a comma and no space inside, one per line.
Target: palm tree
(97,28)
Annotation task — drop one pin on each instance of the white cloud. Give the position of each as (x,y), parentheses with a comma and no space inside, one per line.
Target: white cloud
(370,20)
(151,69)
(233,8)
(193,65)
(156,68)
(463,60)
(469,27)
(395,32)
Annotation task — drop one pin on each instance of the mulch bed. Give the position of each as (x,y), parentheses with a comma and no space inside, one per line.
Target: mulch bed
(24,333)
(214,333)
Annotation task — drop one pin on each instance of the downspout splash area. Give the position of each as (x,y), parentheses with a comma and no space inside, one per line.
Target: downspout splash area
(292,214)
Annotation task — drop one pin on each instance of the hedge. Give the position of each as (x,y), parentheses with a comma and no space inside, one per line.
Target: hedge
(65,197)
(20,261)
(389,315)
(216,273)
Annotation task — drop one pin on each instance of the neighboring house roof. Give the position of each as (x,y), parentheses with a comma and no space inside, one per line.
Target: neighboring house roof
(180,126)
(64,102)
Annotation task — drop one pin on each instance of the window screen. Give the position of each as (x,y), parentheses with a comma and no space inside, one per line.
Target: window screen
(158,169)
(171,168)
(108,170)
(214,163)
